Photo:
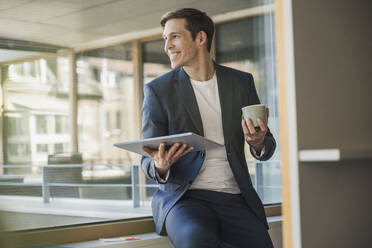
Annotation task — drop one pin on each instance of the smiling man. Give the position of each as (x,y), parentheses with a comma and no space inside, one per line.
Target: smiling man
(205,198)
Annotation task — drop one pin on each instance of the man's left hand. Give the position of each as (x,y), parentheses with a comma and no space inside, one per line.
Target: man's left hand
(255,136)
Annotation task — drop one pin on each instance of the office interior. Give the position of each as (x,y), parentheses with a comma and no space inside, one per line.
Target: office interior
(72,76)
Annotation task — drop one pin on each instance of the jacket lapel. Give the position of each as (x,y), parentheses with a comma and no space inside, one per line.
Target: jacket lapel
(187,97)
(225,91)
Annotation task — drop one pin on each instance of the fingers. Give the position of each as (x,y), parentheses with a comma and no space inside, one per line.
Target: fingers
(187,151)
(161,149)
(173,150)
(251,134)
(176,151)
(262,125)
(149,151)
(251,127)
(179,151)
(267,113)
(245,128)
(183,151)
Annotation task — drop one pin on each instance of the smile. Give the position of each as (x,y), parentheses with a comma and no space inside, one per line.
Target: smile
(173,54)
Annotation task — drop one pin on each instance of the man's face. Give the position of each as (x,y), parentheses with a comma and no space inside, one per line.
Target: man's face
(179,46)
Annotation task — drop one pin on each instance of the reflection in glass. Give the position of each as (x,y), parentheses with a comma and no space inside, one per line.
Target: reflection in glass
(61,124)
(107,114)
(155,61)
(36,123)
(248,45)
(35,109)
(41,124)
(106,105)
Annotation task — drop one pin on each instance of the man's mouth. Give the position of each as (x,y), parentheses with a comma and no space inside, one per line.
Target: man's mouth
(173,55)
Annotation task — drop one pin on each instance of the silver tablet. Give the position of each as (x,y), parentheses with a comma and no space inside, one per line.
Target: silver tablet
(191,139)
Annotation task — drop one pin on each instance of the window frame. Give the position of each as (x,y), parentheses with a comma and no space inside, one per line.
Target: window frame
(95,231)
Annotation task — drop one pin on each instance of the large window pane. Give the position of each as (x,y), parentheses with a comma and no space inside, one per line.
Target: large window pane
(99,183)
(248,45)
(155,61)
(102,182)
(107,114)
(106,105)
(36,103)
(35,125)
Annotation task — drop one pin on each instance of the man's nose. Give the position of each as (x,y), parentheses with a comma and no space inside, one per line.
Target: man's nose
(167,45)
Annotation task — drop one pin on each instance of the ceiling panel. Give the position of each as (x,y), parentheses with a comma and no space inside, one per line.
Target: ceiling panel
(151,18)
(14,28)
(81,4)
(6,4)
(37,11)
(70,39)
(94,16)
(70,22)
(148,21)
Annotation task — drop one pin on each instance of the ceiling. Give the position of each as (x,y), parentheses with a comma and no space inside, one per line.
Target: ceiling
(73,23)
(28,27)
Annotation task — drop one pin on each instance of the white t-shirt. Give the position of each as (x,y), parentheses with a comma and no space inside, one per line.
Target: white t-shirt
(215,173)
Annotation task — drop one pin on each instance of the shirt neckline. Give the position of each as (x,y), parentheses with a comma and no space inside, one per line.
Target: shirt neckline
(204,83)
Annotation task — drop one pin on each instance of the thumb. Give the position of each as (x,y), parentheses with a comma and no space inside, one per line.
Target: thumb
(149,151)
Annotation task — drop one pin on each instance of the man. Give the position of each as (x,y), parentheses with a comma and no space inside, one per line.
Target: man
(205,198)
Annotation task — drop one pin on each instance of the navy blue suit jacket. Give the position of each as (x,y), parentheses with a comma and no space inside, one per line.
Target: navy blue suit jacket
(170,107)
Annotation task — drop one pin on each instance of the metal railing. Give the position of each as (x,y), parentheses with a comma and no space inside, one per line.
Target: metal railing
(47,181)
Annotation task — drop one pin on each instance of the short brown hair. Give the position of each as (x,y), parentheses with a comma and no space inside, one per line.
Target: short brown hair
(196,21)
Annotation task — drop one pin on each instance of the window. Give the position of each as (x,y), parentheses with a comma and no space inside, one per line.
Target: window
(18,150)
(248,45)
(36,114)
(101,182)
(36,109)
(60,124)
(155,61)
(41,124)
(27,69)
(58,148)
(106,115)
(17,124)
(107,122)
(118,120)
(103,102)
(42,148)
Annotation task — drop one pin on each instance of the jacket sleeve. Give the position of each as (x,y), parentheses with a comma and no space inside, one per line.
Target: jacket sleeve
(269,141)
(269,144)
(154,124)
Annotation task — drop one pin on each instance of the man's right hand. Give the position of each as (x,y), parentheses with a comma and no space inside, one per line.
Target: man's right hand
(163,158)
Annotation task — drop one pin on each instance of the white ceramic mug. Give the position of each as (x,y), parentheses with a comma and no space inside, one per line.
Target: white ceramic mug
(255,111)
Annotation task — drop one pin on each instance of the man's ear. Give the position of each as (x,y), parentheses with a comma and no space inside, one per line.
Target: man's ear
(202,38)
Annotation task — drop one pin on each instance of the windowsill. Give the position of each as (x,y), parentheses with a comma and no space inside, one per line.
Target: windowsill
(148,239)
(145,240)
(70,211)
(66,211)
(118,209)
(113,228)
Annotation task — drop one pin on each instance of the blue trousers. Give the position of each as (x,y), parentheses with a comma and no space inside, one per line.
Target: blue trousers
(205,219)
